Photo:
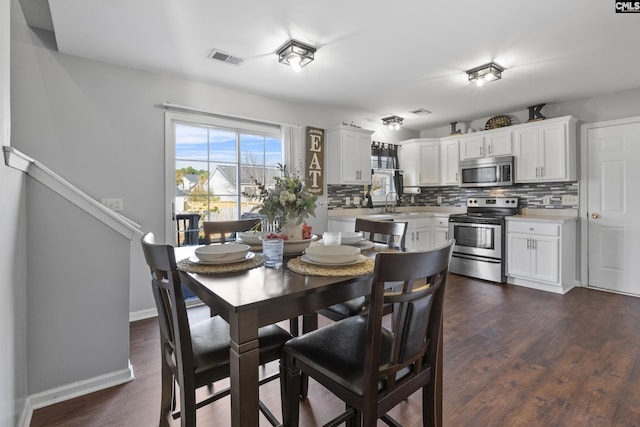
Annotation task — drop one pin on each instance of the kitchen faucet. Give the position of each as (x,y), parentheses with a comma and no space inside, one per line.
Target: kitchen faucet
(386,202)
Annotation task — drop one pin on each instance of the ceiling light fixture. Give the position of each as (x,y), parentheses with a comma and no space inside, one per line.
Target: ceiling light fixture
(295,54)
(485,73)
(393,122)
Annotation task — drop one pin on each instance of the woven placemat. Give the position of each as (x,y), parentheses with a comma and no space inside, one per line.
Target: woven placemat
(360,269)
(194,267)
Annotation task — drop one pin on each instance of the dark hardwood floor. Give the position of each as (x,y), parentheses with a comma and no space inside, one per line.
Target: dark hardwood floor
(512,357)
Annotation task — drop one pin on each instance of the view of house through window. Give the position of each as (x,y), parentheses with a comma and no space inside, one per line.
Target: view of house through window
(214,167)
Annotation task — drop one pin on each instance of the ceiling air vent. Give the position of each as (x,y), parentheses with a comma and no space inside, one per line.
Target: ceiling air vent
(421,112)
(224,57)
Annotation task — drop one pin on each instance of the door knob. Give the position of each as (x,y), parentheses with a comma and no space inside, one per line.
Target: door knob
(595,215)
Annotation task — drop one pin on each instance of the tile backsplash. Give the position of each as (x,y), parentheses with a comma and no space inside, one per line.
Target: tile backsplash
(531,195)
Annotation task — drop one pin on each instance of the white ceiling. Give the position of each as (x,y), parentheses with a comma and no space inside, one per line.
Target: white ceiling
(376,57)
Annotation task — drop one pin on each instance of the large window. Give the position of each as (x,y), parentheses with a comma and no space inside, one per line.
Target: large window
(214,163)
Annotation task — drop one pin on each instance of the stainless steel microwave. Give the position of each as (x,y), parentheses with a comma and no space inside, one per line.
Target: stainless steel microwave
(486,172)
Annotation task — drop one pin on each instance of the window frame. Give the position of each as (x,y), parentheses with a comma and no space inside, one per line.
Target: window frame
(230,124)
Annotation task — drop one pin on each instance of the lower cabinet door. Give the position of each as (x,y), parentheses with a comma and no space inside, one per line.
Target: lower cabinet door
(545,259)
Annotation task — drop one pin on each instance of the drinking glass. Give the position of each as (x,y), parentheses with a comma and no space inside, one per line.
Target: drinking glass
(273,250)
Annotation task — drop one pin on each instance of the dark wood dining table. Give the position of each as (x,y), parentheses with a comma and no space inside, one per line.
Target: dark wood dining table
(258,297)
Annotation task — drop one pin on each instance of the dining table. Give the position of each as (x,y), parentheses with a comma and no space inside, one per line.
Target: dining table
(260,296)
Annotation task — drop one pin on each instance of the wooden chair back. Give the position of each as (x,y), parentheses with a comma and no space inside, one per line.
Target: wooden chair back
(219,231)
(175,336)
(393,233)
(408,362)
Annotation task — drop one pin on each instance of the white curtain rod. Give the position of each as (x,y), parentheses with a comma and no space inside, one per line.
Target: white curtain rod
(172,106)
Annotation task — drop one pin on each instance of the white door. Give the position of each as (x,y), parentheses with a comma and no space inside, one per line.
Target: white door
(613,206)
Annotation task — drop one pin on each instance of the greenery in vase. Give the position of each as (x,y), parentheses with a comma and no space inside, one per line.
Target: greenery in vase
(289,198)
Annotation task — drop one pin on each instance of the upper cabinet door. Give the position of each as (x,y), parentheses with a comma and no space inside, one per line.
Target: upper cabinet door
(488,145)
(546,151)
(498,144)
(348,155)
(449,162)
(429,163)
(472,147)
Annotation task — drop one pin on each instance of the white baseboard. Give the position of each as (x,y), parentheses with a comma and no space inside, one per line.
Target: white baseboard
(152,312)
(70,391)
(142,314)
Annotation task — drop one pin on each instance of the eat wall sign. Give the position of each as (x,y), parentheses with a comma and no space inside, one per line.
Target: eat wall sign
(315,160)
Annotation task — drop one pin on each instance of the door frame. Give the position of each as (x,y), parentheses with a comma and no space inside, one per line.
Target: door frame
(583,235)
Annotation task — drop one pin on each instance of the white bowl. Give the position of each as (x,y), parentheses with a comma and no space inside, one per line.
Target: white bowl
(350,237)
(337,254)
(251,237)
(295,247)
(226,252)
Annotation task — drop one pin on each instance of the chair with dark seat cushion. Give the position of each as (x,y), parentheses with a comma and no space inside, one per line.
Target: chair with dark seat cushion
(371,368)
(393,233)
(226,229)
(193,355)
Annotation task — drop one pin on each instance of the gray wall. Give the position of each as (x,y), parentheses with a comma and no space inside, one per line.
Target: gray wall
(13,282)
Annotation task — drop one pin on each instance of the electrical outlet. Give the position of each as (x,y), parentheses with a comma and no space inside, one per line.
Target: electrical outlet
(356,200)
(115,204)
(439,199)
(570,200)
(546,200)
(347,200)
(413,200)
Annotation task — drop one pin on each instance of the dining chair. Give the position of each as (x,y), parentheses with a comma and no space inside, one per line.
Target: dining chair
(393,233)
(187,226)
(224,229)
(194,355)
(372,368)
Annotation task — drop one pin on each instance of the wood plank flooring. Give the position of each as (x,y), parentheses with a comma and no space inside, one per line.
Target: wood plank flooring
(512,357)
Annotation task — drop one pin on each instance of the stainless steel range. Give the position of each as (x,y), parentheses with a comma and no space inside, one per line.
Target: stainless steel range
(480,237)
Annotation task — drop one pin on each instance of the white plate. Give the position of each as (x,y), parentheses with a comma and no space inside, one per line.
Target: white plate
(222,252)
(350,238)
(251,237)
(336,254)
(247,257)
(360,259)
(362,244)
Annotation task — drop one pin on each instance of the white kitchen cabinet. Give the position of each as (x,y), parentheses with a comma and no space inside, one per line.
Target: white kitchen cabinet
(491,144)
(440,230)
(418,237)
(541,254)
(546,151)
(450,154)
(348,155)
(420,162)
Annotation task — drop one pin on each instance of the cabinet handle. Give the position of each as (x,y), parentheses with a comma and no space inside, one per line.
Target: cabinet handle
(541,171)
(417,236)
(456,176)
(490,149)
(481,151)
(528,243)
(534,244)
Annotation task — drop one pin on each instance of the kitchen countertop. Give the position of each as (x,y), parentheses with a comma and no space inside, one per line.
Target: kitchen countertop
(546,215)
(403,212)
